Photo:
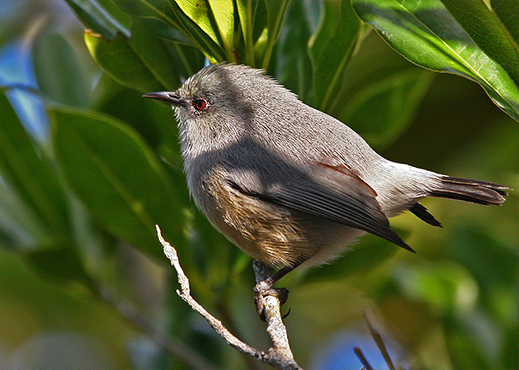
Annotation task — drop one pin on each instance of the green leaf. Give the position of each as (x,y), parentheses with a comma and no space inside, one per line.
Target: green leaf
(215,18)
(98,19)
(21,228)
(56,65)
(200,13)
(223,11)
(275,16)
(30,175)
(465,349)
(63,264)
(446,286)
(508,13)
(381,111)
(426,34)
(154,121)
(167,19)
(486,30)
(330,50)
(245,13)
(142,62)
(118,179)
(494,266)
(293,65)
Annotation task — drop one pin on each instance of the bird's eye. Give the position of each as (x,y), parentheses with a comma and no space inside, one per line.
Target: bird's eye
(200,104)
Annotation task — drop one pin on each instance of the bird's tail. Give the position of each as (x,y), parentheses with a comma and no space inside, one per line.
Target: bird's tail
(474,191)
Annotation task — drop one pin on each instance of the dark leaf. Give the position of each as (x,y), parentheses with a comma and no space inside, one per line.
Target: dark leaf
(29,174)
(118,179)
(98,19)
(54,74)
(330,50)
(142,62)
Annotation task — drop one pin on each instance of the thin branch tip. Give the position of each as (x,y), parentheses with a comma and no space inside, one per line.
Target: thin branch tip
(279,357)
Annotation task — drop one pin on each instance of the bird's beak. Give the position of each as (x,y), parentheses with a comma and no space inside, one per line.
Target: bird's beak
(168,97)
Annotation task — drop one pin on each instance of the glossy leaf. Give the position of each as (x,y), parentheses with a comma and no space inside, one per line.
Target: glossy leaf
(330,50)
(142,62)
(486,30)
(118,178)
(428,35)
(30,175)
(98,19)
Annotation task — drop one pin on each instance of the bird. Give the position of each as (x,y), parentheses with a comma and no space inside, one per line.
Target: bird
(288,184)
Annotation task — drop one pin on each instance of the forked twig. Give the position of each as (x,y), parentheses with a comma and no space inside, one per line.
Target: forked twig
(279,356)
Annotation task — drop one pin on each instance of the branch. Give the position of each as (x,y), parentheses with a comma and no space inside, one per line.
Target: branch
(279,356)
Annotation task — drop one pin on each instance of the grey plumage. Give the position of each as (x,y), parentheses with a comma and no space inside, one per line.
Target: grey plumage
(289,184)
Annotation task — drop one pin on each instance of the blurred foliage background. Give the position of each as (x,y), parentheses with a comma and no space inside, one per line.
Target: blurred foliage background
(87,167)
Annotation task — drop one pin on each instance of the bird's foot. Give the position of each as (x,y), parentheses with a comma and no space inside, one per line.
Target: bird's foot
(262,290)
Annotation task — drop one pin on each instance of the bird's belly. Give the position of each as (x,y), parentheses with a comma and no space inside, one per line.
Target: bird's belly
(276,235)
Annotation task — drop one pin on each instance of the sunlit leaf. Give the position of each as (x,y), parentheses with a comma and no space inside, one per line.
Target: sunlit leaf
(215,18)
(425,33)
(245,13)
(488,32)
(200,13)
(223,11)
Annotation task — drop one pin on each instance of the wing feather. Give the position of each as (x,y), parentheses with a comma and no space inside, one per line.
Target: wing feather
(330,193)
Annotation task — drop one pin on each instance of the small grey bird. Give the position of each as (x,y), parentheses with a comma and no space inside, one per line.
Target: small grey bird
(288,184)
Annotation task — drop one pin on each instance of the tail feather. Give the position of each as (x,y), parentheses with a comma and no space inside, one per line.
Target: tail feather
(422,213)
(474,191)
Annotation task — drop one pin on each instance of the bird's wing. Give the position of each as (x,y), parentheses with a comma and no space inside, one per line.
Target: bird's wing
(333,193)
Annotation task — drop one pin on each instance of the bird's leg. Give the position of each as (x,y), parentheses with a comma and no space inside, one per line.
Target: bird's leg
(264,282)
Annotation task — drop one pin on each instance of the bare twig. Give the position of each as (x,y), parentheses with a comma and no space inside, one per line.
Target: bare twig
(275,326)
(362,358)
(279,356)
(380,342)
